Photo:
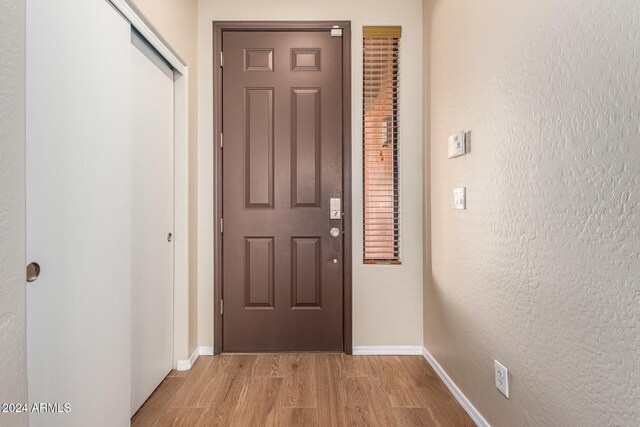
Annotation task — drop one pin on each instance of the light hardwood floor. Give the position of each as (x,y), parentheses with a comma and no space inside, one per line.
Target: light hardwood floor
(303,389)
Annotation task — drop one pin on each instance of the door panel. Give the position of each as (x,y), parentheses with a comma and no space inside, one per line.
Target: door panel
(306,276)
(79,212)
(258,274)
(282,162)
(305,147)
(152,220)
(258,140)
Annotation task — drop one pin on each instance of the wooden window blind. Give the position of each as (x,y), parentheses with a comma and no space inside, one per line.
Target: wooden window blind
(381,131)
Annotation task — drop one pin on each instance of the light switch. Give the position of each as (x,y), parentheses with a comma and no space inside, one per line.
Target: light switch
(460,198)
(457,144)
(502,378)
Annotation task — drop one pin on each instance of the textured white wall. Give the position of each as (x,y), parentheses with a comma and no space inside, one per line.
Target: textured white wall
(13,365)
(387,300)
(542,271)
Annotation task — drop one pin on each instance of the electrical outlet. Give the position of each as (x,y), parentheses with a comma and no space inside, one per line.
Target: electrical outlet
(502,378)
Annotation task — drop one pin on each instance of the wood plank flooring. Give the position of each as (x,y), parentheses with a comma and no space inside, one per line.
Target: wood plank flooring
(303,389)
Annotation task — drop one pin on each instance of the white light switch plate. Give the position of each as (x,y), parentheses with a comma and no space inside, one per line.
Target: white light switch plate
(502,378)
(460,198)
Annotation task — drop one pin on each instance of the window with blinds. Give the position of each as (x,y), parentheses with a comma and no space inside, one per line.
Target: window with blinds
(381,161)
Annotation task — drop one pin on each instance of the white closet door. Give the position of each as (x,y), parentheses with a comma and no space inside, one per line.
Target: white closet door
(152,221)
(79,212)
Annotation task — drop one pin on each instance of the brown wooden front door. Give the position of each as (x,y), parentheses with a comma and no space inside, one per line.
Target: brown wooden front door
(282,278)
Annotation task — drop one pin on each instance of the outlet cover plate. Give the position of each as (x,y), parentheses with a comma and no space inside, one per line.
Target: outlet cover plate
(502,378)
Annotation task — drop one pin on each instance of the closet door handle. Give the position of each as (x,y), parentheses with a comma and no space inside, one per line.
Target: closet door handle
(33,272)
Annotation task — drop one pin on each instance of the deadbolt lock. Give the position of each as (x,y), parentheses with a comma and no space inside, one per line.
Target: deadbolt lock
(334,209)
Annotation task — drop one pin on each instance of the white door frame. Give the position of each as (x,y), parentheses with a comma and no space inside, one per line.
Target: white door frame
(180,179)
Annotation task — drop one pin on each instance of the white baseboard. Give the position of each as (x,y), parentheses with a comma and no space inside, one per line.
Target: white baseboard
(185,365)
(457,393)
(205,351)
(387,350)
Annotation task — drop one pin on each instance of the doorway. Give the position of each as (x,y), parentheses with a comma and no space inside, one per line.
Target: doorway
(283,181)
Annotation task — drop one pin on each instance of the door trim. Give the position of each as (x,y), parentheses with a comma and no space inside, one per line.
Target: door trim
(218,28)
